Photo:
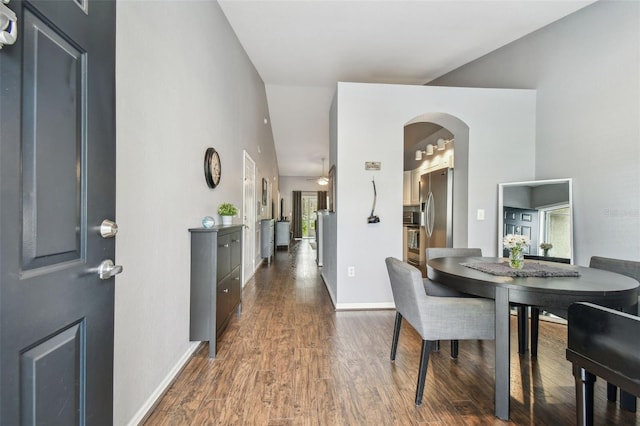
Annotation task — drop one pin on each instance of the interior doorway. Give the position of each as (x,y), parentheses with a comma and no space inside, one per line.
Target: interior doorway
(556,225)
(249,219)
(447,127)
(309,209)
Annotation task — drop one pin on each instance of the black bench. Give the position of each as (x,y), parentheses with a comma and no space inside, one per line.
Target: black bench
(602,342)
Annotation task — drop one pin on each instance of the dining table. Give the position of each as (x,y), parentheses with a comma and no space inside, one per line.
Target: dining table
(539,283)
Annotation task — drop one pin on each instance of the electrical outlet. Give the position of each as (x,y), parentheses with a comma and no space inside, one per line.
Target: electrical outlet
(351,271)
(480,214)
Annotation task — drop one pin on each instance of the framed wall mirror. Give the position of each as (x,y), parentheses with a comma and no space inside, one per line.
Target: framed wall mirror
(543,211)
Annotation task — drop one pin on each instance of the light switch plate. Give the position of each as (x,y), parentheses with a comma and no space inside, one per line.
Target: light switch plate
(480,214)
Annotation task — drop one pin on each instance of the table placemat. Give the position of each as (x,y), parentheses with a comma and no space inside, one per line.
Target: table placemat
(530,269)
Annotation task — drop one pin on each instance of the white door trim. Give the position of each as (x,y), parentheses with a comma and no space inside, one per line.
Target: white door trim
(249,218)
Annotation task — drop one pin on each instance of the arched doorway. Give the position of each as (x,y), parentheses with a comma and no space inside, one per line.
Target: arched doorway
(426,129)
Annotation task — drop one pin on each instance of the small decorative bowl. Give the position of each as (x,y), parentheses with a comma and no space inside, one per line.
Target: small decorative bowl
(208,222)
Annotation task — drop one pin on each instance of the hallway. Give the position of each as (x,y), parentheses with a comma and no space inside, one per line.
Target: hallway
(290,359)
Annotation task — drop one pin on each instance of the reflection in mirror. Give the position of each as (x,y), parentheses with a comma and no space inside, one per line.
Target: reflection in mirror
(543,211)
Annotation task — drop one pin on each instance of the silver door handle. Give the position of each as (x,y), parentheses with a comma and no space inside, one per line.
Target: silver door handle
(7,19)
(107,269)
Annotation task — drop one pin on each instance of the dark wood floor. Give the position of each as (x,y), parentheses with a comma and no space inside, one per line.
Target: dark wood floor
(290,359)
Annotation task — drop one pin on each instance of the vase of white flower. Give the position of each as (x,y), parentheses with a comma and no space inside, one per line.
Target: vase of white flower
(545,248)
(516,245)
(516,258)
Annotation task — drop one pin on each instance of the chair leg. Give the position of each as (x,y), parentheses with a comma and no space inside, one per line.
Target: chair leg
(535,318)
(396,335)
(454,349)
(422,371)
(522,329)
(584,395)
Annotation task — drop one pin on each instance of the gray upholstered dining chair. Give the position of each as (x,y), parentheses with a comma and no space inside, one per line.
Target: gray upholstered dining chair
(435,318)
(436,289)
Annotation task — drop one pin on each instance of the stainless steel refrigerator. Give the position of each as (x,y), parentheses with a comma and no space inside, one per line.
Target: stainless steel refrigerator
(436,208)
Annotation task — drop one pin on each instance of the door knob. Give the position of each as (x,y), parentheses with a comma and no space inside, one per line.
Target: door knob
(108,228)
(8,25)
(107,269)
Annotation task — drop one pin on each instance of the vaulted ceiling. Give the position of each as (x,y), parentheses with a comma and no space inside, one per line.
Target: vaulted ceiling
(302,48)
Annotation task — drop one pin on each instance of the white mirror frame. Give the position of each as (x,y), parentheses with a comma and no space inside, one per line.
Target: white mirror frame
(533,183)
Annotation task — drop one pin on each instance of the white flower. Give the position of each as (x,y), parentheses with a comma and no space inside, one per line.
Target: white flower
(511,240)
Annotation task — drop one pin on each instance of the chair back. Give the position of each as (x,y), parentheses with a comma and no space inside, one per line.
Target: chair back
(629,268)
(408,292)
(438,318)
(435,252)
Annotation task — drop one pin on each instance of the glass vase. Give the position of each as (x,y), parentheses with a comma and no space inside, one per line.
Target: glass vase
(516,258)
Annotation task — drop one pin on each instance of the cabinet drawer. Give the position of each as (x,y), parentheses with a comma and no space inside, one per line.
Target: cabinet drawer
(228,297)
(223,303)
(236,249)
(224,256)
(235,288)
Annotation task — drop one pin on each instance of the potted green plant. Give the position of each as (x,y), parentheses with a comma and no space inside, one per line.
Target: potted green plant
(226,212)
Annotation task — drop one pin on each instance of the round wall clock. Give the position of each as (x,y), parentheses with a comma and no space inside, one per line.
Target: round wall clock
(212,168)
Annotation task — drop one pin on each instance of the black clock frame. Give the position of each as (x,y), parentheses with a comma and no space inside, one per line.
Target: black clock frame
(208,161)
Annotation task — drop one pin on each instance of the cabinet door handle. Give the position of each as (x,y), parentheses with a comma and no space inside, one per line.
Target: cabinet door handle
(237,278)
(226,290)
(224,245)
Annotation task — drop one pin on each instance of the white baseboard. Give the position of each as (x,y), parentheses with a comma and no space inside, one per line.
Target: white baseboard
(355,306)
(163,386)
(365,306)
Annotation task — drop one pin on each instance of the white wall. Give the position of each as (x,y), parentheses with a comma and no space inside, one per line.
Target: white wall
(370,121)
(183,84)
(288,184)
(586,69)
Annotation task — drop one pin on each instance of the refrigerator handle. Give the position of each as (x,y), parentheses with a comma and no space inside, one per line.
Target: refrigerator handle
(429,214)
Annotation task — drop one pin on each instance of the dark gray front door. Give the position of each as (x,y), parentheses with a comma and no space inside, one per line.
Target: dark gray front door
(521,222)
(57,175)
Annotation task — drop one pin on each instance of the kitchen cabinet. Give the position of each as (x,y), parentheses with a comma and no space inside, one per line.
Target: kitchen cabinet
(282,233)
(406,188)
(216,290)
(266,239)
(415,186)
(411,187)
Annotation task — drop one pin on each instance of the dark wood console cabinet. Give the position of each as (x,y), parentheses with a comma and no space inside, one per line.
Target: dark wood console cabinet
(216,290)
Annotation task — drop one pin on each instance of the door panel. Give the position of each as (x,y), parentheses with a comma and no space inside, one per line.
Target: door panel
(52,145)
(57,174)
(57,363)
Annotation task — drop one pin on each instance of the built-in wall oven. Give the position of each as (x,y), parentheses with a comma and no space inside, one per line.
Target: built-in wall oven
(411,220)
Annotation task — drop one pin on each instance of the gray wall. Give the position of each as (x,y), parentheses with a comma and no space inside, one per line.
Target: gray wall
(369,120)
(526,197)
(586,70)
(184,83)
